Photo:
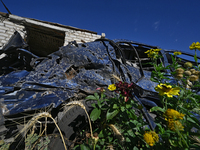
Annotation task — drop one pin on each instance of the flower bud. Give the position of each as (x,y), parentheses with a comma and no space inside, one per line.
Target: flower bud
(193,78)
(188,65)
(189,83)
(187,73)
(192,71)
(188,87)
(95,138)
(196,73)
(179,76)
(179,70)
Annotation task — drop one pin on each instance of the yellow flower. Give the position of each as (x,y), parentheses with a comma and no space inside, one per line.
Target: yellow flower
(152,53)
(177,53)
(175,125)
(198,45)
(151,137)
(173,114)
(112,87)
(195,46)
(165,89)
(192,46)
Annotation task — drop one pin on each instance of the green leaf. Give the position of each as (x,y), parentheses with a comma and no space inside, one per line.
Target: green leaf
(162,130)
(194,122)
(95,114)
(128,106)
(173,143)
(130,132)
(112,114)
(173,59)
(115,106)
(132,114)
(101,135)
(93,105)
(104,147)
(91,97)
(135,148)
(96,95)
(157,108)
(84,147)
(123,108)
(99,103)
(154,80)
(166,135)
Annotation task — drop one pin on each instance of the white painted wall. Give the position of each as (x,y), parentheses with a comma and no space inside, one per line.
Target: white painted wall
(15,23)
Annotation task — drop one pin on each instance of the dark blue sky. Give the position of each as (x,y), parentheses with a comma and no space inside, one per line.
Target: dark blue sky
(170,24)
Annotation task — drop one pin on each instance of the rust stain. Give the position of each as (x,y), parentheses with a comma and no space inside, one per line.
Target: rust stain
(70,74)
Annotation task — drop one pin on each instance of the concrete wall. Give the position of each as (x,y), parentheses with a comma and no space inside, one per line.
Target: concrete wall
(7,29)
(72,35)
(10,24)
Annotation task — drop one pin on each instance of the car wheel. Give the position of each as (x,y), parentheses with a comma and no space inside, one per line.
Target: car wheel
(71,121)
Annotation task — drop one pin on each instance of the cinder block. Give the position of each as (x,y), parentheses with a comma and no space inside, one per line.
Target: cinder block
(77,34)
(68,38)
(8,22)
(88,33)
(2,31)
(4,34)
(67,30)
(77,39)
(4,41)
(8,38)
(87,39)
(72,36)
(4,28)
(9,26)
(10,32)
(82,35)
(2,38)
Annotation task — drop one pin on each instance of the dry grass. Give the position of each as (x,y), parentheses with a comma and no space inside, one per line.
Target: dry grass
(31,125)
(83,107)
(116,132)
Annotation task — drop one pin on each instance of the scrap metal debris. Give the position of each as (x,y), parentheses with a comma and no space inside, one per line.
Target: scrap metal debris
(29,82)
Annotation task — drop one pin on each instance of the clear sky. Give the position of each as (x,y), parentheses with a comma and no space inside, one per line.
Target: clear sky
(170,24)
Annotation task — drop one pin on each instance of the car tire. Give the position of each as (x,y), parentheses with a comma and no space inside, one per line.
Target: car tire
(70,123)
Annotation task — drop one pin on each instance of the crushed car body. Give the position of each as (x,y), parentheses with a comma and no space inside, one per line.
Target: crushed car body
(29,82)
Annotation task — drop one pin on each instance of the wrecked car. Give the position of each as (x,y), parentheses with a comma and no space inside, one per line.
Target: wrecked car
(30,84)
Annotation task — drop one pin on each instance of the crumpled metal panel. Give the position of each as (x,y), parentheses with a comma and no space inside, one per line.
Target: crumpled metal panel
(39,82)
(63,74)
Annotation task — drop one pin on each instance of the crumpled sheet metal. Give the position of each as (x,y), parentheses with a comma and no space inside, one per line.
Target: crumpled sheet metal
(63,74)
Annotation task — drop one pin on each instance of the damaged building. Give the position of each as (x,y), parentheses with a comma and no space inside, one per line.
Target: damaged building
(38,33)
